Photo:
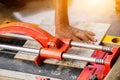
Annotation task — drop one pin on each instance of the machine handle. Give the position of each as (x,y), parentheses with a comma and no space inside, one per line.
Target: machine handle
(40,35)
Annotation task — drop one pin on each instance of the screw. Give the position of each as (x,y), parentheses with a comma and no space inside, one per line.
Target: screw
(93,77)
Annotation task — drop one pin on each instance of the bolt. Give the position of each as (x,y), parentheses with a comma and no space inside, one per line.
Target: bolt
(93,77)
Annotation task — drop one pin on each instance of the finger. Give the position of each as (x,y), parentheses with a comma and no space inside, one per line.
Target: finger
(90,42)
(74,38)
(83,37)
(89,32)
(91,38)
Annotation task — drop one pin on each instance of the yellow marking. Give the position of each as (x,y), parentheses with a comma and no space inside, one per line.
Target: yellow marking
(111,40)
(9,21)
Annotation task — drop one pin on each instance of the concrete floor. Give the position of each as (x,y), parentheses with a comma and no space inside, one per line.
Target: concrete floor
(79,11)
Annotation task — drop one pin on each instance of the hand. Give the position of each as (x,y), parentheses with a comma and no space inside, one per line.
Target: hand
(75,34)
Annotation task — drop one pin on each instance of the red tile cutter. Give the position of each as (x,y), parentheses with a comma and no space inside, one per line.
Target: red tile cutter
(99,64)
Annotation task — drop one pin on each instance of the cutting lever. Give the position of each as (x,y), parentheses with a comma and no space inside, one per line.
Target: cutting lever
(52,47)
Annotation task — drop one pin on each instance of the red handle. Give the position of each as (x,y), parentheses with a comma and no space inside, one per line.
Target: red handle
(43,37)
(27,29)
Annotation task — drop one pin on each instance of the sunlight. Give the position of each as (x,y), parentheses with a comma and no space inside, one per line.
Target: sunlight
(94,2)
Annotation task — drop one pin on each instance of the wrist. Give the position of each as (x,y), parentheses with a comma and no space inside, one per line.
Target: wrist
(63,28)
(62,24)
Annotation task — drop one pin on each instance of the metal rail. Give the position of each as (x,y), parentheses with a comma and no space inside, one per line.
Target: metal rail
(73,43)
(64,56)
(82,58)
(16,48)
(17,36)
(91,46)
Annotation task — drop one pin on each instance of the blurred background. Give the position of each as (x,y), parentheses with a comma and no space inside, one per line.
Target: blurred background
(101,11)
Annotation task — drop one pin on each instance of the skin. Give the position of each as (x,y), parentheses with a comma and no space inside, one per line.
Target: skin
(64,29)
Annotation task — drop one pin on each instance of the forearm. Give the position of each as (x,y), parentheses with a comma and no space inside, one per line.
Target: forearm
(61,12)
(64,30)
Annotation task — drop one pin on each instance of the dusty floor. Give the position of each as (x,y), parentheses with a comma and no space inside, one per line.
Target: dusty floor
(79,11)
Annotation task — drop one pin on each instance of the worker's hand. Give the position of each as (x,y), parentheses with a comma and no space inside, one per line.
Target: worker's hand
(75,34)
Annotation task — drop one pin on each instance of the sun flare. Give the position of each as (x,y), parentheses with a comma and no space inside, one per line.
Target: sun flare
(94,2)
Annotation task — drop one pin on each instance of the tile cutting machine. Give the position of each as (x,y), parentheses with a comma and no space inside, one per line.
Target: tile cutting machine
(99,64)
